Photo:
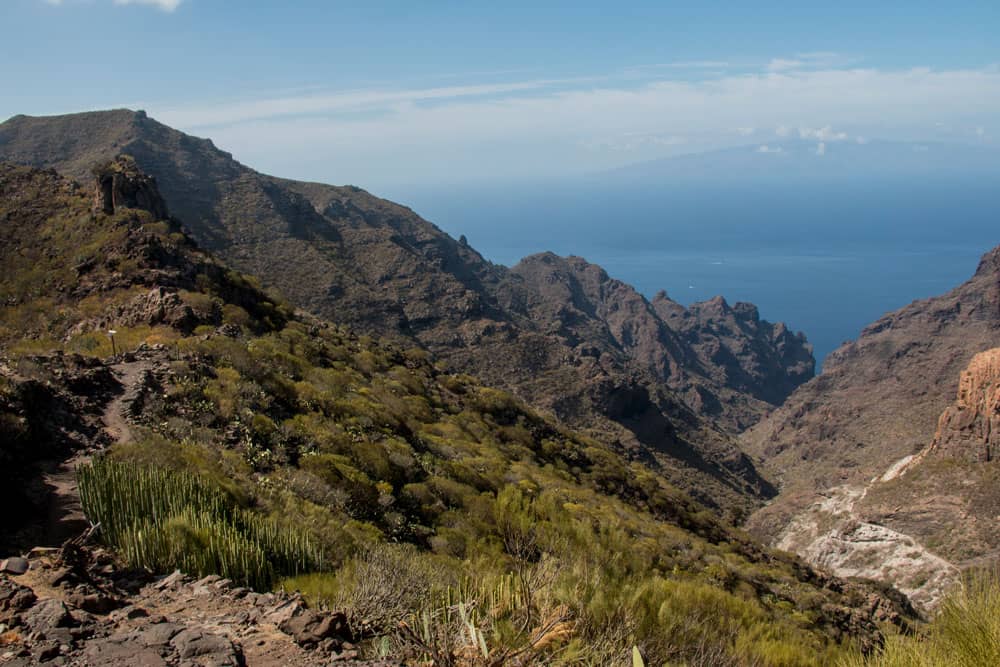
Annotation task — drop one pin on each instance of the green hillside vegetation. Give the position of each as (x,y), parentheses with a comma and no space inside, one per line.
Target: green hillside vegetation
(450,520)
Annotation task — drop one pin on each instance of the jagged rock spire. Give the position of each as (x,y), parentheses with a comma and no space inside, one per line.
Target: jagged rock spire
(121,184)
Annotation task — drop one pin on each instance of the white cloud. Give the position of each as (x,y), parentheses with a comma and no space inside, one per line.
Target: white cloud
(782,64)
(821,149)
(764,148)
(810,60)
(745,131)
(822,134)
(782,131)
(165,5)
(633,142)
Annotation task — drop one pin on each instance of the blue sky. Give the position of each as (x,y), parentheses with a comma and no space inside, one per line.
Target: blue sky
(378,93)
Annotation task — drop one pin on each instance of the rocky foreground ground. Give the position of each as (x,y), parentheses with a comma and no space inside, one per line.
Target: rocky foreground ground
(76,606)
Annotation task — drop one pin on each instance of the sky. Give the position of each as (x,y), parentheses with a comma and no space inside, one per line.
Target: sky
(387,93)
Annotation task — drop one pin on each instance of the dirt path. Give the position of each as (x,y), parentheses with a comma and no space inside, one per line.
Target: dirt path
(129,374)
(65,516)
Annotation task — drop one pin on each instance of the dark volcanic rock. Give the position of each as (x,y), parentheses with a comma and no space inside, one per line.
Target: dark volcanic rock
(207,650)
(47,616)
(311,627)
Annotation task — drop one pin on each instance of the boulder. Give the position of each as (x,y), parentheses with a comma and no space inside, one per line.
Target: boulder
(15,565)
(48,615)
(312,627)
(204,649)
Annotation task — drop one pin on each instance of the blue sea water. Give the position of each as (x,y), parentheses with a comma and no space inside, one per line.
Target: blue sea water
(827,258)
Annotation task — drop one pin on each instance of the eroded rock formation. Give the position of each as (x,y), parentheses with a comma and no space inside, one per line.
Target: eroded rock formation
(970,429)
(120,184)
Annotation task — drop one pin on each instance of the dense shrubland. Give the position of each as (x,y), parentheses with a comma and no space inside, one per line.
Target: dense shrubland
(452,518)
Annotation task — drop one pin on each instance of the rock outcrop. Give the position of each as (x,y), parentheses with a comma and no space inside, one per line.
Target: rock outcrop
(752,358)
(970,429)
(120,184)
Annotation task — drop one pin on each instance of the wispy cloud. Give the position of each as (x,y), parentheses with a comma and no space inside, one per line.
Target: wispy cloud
(165,5)
(810,60)
(351,101)
(822,134)
(632,141)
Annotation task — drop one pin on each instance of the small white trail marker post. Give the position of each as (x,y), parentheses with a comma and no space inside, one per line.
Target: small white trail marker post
(114,350)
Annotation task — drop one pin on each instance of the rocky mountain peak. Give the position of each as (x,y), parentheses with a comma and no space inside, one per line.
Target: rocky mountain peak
(121,184)
(970,429)
(747,312)
(989,265)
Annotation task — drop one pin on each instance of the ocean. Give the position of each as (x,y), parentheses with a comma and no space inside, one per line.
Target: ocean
(826,258)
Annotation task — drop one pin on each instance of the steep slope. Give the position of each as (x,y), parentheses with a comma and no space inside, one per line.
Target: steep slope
(342,253)
(252,410)
(878,398)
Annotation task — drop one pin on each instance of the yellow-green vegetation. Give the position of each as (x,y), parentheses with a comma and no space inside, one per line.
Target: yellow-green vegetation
(965,632)
(451,521)
(162,520)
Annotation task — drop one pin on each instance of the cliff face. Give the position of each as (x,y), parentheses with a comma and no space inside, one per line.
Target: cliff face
(558,332)
(759,364)
(970,429)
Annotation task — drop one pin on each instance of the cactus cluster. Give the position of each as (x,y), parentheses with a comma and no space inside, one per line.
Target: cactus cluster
(164,520)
